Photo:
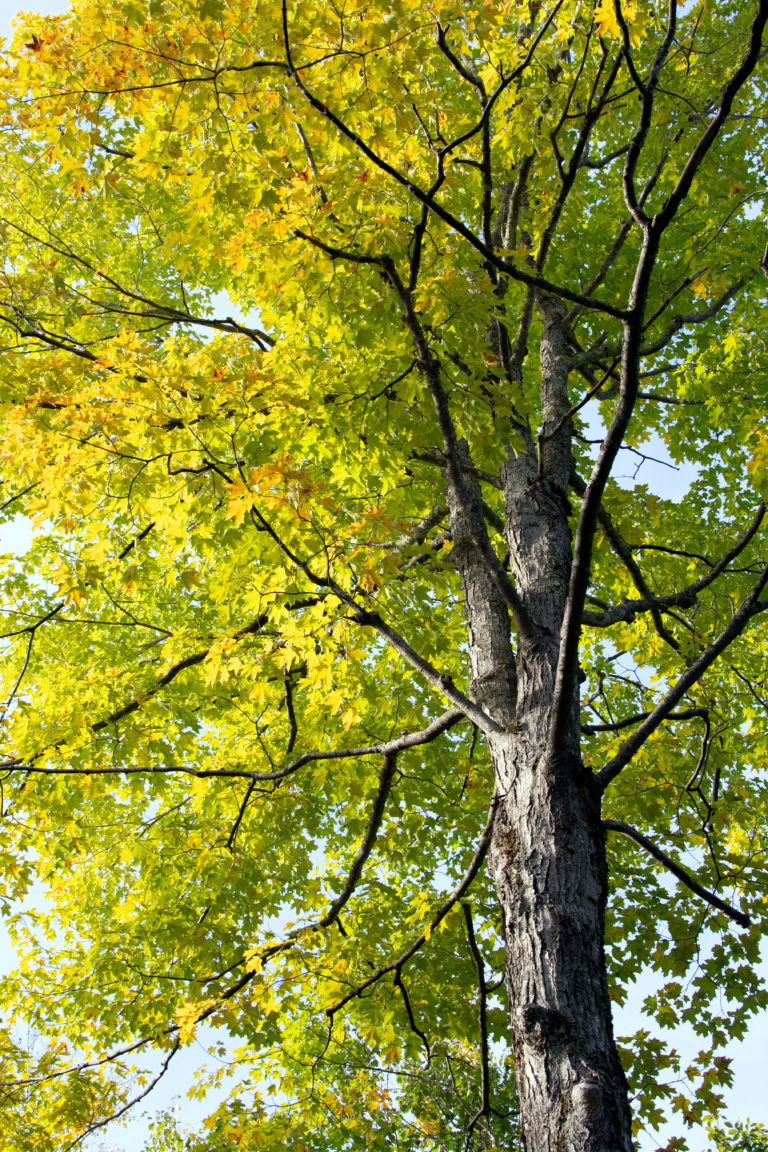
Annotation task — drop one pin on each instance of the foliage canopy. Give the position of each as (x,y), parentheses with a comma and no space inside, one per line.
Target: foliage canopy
(231,791)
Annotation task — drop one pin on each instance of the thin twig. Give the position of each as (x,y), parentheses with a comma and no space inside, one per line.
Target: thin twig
(482,1015)
(130,1103)
(461,888)
(411,1018)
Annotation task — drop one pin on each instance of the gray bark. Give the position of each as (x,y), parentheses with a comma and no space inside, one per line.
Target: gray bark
(547,856)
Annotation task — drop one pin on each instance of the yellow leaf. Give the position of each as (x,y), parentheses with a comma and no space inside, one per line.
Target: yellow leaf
(240,499)
(188,1015)
(605,18)
(130,581)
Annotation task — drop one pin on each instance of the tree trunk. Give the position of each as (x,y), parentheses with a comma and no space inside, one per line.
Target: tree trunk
(547,855)
(548,863)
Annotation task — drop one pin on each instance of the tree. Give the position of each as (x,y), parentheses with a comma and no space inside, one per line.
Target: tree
(740,1137)
(431,1109)
(344,676)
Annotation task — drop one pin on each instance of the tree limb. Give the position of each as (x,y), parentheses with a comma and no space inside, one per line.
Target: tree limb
(633,317)
(712,130)
(369,839)
(681,874)
(97,1124)
(750,607)
(434,206)
(686,597)
(629,721)
(460,889)
(482,1016)
(622,549)
(398,982)
(390,747)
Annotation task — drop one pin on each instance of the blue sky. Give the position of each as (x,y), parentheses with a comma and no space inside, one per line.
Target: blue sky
(8,11)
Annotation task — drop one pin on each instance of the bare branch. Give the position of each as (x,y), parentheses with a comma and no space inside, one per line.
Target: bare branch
(400,744)
(115,1054)
(712,130)
(136,540)
(703,755)
(151,310)
(136,703)
(240,814)
(622,549)
(602,352)
(567,668)
(17,496)
(648,93)
(621,236)
(684,318)
(337,253)
(685,598)
(369,839)
(411,1018)
(626,49)
(437,679)
(435,456)
(31,630)
(630,721)
(293,726)
(568,179)
(129,1104)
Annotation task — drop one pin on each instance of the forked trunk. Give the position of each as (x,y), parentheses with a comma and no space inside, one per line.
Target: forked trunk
(547,855)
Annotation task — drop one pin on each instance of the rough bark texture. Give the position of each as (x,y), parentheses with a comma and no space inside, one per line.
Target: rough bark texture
(547,856)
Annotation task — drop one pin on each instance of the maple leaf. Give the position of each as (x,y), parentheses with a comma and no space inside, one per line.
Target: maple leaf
(606,20)
(239,500)
(189,1015)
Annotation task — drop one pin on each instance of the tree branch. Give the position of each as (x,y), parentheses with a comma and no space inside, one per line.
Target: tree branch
(482,1017)
(31,631)
(18,495)
(685,598)
(369,839)
(681,874)
(373,620)
(434,206)
(459,891)
(648,93)
(567,668)
(133,705)
(437,679)
(435,456)
(411,1018)
(629,721)
(710,133)
(96,1125)
(408,740)
(457,459)
(239,818)
(751,607)
(622,550)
